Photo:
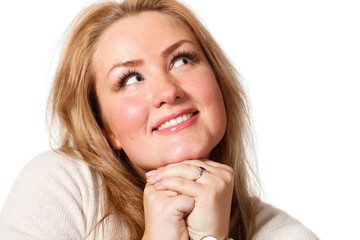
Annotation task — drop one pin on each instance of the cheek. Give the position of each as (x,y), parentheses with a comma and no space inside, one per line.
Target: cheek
(207,87)
(212,97)
(126,118)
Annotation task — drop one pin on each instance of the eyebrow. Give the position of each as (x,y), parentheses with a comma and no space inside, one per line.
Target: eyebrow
(138,62)
(173,47)
(130,63)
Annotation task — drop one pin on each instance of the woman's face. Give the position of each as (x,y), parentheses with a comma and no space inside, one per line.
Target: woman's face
(157,91)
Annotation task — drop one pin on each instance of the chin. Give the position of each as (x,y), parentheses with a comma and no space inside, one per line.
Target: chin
(187,155)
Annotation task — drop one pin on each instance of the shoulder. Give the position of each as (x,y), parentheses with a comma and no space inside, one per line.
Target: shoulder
(51,162)
(275,224)
(53,168)
(60,191)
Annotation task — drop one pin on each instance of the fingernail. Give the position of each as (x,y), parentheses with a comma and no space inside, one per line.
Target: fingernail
(150,175)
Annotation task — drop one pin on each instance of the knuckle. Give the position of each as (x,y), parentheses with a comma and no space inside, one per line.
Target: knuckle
(228,169)
(229,176)
(226,174)
(231,170)
(222,184)
(180,183)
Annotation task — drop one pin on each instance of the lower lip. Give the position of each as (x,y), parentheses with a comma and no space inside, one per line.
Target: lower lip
(179,126)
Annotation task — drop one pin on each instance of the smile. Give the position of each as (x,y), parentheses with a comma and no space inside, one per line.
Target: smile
(175,121)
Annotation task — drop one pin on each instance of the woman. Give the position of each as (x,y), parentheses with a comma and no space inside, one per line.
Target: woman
(153,136)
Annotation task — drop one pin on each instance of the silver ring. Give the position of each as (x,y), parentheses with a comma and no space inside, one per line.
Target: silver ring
(201,171)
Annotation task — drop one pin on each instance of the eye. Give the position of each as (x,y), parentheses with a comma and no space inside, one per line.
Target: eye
(183,58)
(180,61)
(130,78)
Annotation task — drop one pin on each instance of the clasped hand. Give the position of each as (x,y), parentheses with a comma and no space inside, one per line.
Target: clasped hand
(179,207)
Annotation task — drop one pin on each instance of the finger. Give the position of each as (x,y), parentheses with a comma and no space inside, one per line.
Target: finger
(150,191)
(196,187)
(214,168)
(189,170)
(183,203)
(210,165)
(167,202)
(167,209)
(183,170)
(180,185)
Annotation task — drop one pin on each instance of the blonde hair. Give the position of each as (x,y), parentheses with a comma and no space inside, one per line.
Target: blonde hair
(75,108)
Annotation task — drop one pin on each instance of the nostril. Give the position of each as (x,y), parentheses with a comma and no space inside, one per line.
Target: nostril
(167,93)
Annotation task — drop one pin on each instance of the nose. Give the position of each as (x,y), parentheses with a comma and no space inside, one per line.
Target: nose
(165,90)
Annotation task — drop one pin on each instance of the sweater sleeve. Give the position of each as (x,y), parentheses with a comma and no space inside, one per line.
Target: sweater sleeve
(53,198)
(274,224)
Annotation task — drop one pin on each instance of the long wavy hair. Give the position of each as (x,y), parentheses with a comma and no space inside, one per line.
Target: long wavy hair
(82,130)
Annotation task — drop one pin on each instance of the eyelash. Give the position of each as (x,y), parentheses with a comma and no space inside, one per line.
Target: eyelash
(182,54)
(124,77)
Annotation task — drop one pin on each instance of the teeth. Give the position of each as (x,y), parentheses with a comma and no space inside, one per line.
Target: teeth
(175,121)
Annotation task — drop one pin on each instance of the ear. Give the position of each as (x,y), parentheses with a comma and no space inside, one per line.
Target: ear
(115,143)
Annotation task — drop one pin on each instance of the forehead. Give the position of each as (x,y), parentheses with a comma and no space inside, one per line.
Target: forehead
(145,29)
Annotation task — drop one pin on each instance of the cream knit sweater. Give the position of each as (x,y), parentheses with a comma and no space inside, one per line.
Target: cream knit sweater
(55,197)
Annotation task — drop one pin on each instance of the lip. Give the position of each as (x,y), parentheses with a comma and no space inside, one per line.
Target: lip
(179,126)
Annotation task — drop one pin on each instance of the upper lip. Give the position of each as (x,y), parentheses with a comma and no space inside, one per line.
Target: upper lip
(172,116)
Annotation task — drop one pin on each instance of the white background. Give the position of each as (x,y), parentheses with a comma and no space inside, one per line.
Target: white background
(301,64)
